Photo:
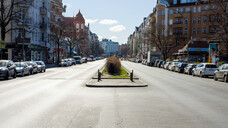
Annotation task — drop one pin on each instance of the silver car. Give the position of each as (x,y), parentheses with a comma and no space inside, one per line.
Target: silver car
(22,68)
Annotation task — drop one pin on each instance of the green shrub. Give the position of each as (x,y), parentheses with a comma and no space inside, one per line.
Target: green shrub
(113,65)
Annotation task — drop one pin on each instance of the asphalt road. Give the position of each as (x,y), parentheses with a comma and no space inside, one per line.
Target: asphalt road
(60,99)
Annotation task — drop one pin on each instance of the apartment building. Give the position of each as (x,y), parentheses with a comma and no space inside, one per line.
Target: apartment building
(56,29)
(183,20)
(177,22)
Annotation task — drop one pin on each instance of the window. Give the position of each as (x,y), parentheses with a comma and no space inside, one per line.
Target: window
(187,10)
(199,19)
(171,12)
(171,32)
(194,9)
(194,20)
(175,2)
(204,30)
(185,20)
(82,26)
(162,22)
(163,12)
(177,10)
(181,21)
(176,21)
(185,31)
(181,10)
(171,22)
(206,8)
(204,18)
(42,37)
(198,30)
(199,9)
(194,31)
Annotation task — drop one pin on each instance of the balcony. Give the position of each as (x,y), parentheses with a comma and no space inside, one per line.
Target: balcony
(43,11)
(43,26)
(26,22)
(23,3)
(20,40)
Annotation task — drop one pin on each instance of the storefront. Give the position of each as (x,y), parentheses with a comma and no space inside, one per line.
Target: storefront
(198,52)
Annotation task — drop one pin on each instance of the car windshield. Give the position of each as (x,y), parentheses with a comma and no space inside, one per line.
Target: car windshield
(77,58)
(39,63)
(29,63)
(184,65)
(193,66)
(3,64)
(19,64)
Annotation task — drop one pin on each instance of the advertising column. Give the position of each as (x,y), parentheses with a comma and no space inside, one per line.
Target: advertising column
(213,52)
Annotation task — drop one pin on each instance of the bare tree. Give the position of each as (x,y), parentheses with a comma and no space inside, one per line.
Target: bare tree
(156,37)
(219,25)
(70,39)
(58,38)
(9,13)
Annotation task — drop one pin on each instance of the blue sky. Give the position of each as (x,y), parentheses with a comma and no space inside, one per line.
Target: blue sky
(111,19)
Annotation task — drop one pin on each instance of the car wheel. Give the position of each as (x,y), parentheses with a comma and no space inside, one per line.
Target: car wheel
(201,75)
(193,74)
(22,74)
(31,72)
(28,73)
(189,73)
(15,74)
(215,78)
(225,79)
(44,70)
(7,76)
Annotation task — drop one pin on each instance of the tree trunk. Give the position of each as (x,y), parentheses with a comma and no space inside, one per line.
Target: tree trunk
(3,33)
(58,55)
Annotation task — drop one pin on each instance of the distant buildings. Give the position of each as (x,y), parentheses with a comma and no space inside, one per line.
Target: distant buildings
(110,48)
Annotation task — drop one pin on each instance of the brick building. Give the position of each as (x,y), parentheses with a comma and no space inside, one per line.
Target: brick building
(77,24)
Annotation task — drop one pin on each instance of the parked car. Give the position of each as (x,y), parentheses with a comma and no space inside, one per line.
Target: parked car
(73,61)
(41,66)
(33,67)
(84,60)
(78,59)
(162,64)
(69,62)
(63,63)
(89,59)
(7,69)
(22,68)
(166,66)
(221,73)
(159,63)
(138,61)
(180,67)
(172,66)
(156,62)
(204,70)
(188,69)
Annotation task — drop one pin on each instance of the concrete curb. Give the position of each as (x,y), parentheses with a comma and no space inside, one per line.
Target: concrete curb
(115,83)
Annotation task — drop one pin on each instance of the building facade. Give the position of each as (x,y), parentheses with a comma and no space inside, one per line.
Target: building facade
(176,22)
(110,48)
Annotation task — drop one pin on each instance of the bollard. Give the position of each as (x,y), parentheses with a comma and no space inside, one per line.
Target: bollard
(99,76)
(131,76)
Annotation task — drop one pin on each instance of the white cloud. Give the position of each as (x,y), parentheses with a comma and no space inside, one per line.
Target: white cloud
(113,37)
(100,37)
(108,22)
(117,28)
(90,21)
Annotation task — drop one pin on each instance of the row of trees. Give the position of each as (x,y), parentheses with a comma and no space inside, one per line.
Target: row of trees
(155,35)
